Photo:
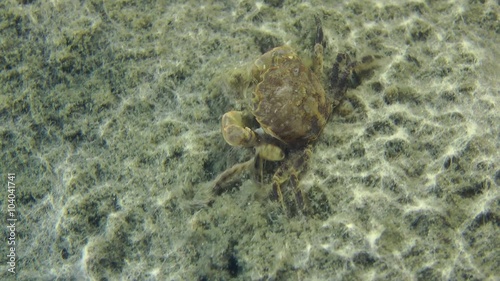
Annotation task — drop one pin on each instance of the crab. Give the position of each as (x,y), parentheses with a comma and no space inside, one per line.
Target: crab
(288,111)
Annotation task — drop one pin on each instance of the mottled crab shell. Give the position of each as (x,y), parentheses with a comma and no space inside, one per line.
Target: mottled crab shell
(289,101)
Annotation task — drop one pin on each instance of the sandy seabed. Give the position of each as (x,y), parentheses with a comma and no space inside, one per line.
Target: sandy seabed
(110,116)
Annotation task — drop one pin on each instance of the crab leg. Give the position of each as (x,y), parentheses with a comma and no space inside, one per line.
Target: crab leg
(291,171)
(227,175)
(318,50)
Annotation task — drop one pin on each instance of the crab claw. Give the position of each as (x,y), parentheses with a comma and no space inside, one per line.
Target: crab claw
(270,152)
(234,131)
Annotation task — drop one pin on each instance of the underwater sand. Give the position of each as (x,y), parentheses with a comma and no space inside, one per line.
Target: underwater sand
(110,116)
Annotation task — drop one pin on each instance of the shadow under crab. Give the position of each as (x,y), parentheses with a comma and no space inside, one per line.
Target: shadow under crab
(289,109)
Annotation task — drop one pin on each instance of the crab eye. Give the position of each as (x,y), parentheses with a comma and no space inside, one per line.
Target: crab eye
(296,71)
